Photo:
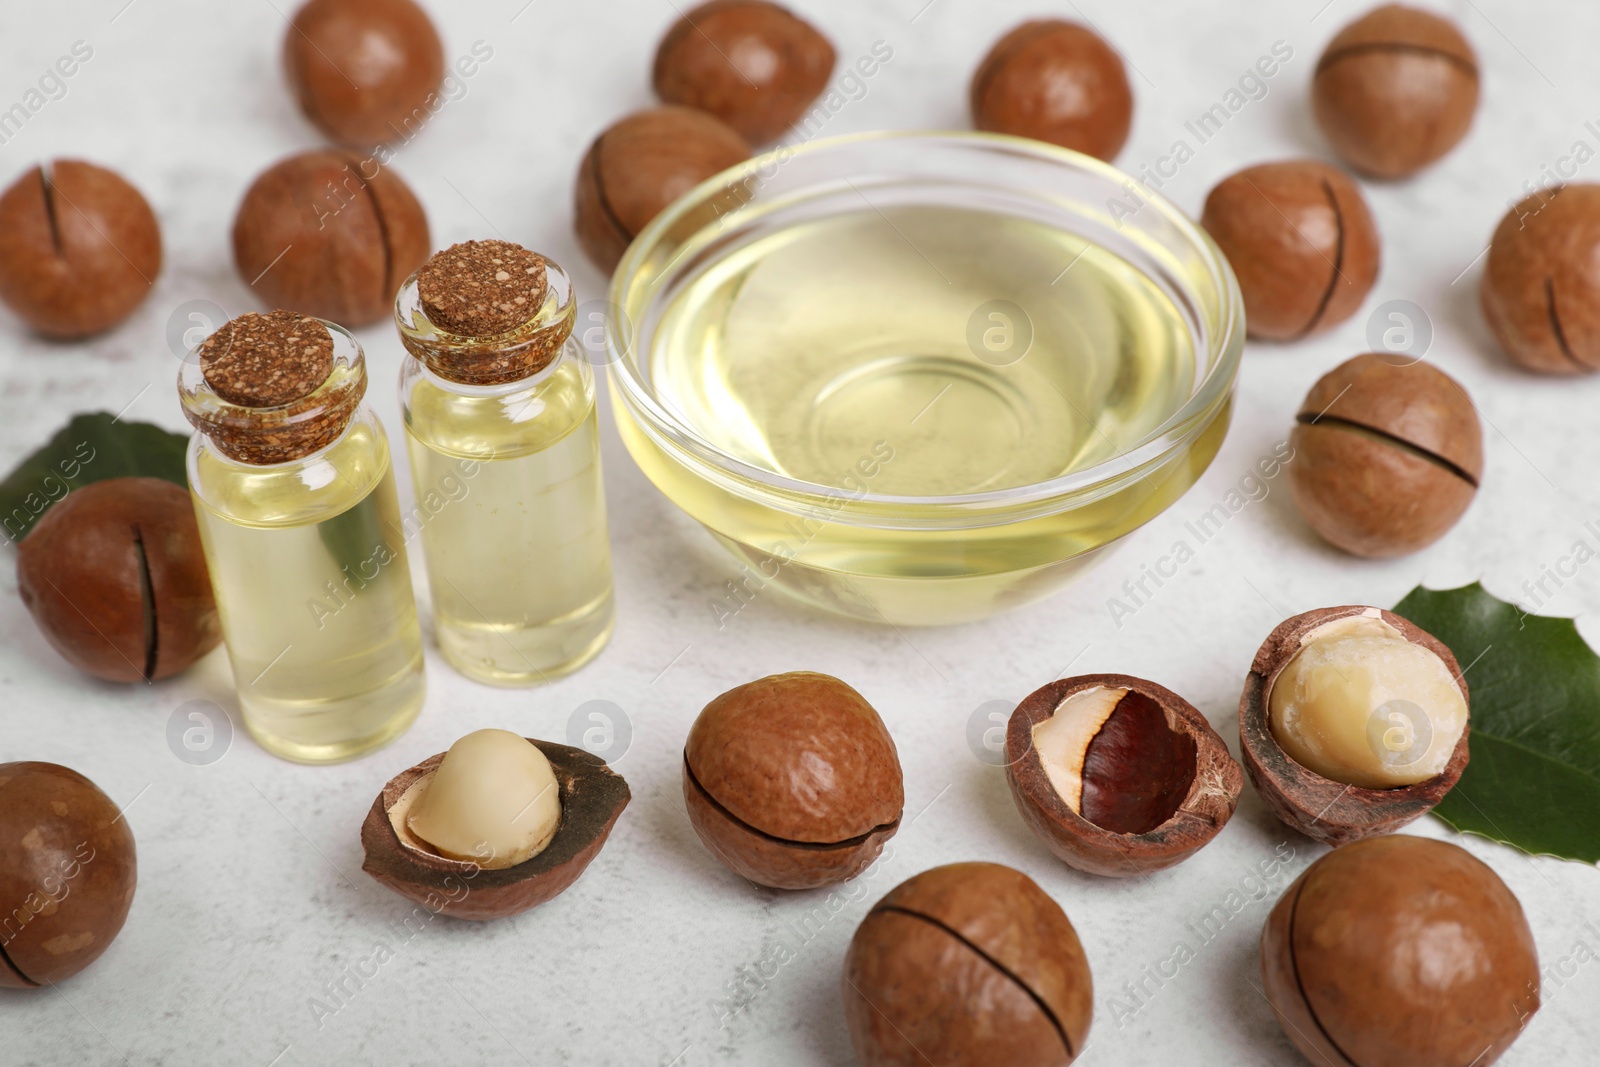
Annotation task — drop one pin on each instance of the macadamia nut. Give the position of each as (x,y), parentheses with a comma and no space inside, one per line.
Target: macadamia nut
(1118,775)
(1360,704)
(1400,950)
(493,801)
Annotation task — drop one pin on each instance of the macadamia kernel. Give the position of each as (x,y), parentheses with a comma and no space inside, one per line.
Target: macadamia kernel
(1362,705)
(493,801)
(1062,740)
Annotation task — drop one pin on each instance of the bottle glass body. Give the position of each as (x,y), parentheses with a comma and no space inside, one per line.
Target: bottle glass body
(308,564)
(511,510)
(505,459)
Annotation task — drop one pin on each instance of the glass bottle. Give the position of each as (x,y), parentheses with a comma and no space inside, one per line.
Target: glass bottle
(505,459)
(301,528)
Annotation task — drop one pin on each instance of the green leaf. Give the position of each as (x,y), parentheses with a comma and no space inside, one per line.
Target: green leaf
(1533,781)
(90,448)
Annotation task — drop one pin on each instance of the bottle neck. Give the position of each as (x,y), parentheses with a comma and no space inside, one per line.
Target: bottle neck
(226,448)
(416,368)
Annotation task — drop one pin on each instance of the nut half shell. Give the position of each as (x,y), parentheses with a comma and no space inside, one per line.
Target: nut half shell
(592,797)
(1321,808)
(1192,792)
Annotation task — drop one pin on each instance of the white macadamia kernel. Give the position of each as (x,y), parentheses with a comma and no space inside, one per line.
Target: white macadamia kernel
(1360,704)
(493,801)
(1063,739)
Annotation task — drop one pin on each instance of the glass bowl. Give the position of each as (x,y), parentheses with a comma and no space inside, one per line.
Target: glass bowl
(863,545)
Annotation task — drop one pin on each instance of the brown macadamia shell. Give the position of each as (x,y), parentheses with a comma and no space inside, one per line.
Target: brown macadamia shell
(1055,81)
(1334,813)
(1301,241)
(68,871)
(116,580)
(754,65)
(967,965)
(363,71)
(638,166)
(792,781)
(1387,456)
(1400,951)
(1541,286)
(79,249)
(329,234)
(592,798)
(1209,789)
(1396,90)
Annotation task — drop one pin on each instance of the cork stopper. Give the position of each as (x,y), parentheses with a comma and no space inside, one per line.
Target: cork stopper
(482,288)
(486,313)
(263,361)
(272,388)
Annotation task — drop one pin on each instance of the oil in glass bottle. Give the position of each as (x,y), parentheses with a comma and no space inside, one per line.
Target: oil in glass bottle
(501,427)
(295,494)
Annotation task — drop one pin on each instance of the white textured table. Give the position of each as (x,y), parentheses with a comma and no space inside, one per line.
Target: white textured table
(252,909)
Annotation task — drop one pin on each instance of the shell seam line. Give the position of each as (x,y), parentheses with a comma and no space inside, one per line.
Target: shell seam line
(849,842)
(1421,453)
(1061,1031)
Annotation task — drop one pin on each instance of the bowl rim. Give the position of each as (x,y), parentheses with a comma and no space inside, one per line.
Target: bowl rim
(1204,404)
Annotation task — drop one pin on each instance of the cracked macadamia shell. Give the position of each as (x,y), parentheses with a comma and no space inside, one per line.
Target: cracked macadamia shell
(592,798)
(967,965)
(1330,811)
(1396,90)
(79,248)
(115,578)
(67,873)
(1117,775)
(792,781)
(1541,286)
(1301,241)
(1400,952)
(328,233)
(1387,456)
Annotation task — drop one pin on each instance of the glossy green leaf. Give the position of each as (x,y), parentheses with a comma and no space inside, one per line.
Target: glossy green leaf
(90,448)
(1534,777)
